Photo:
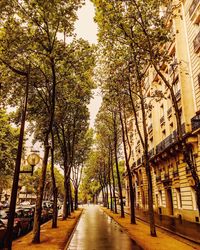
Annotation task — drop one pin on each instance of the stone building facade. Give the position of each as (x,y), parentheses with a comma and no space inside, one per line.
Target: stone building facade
(173,185)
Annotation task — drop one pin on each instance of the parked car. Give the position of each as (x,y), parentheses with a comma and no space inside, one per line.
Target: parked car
(47,210)
(22,221)
(29,213)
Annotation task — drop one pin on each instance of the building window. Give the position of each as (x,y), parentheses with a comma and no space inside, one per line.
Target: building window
(171,128)
(178,196)
(162,110)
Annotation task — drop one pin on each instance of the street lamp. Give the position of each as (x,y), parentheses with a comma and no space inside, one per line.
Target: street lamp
(32,159)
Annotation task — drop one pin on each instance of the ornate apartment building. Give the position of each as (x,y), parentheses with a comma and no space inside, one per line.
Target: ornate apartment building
(173,185)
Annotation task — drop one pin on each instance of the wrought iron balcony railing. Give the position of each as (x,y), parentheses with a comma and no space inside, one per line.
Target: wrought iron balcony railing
(169,140)
(195,121)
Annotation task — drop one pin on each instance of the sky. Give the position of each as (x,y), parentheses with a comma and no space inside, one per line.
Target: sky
(86,28)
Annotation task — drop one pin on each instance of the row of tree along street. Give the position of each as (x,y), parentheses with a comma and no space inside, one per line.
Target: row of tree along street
(132,35)
(49,82)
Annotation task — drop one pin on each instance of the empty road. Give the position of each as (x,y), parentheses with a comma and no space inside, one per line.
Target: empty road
(97,231)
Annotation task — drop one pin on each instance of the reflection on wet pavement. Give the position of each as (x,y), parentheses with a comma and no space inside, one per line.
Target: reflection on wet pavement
(97,231)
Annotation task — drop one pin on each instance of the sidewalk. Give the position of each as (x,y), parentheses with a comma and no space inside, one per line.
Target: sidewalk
(141,235)
(51,239)
(187,229)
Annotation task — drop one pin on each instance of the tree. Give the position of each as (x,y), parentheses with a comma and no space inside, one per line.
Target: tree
(107,123)
(32,182)
(40,24)
(8,148)
(81,154)
(73,95)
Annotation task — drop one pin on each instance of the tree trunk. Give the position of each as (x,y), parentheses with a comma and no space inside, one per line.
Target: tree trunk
(64,216)
(9,231)
(117,169)
(110,188)
(68,198)
(38,208)
(113,181)
(107,197)
(76,198)
(132,198)
(103,196)
(55,190)
(148,170)
(71,199)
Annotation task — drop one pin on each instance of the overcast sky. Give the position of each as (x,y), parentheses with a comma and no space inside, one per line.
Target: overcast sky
(86,28)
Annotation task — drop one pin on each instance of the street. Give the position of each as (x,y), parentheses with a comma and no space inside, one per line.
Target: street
(97,231)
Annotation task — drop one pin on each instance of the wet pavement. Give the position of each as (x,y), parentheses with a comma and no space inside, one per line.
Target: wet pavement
(190,230)
(97,231)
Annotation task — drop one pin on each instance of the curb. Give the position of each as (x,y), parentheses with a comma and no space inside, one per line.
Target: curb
(73,231)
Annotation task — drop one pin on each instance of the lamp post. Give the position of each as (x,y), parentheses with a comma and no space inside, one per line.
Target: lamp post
(32,160)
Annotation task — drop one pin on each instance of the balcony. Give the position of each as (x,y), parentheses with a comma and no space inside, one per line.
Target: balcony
(169,112)
(196,43)
(195,122)
(166,180)
(162,120)
(193,11)
(168,141)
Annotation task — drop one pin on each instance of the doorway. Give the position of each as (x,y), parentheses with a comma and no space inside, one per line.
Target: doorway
(169,201)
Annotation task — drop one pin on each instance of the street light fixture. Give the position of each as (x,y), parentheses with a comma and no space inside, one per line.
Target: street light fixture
(32,159)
